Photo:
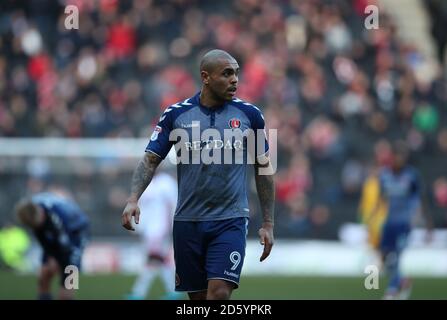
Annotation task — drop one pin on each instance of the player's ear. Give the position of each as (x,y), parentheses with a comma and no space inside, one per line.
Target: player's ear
(205,77)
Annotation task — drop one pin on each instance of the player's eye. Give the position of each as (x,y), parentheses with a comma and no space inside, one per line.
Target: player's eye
(228,73)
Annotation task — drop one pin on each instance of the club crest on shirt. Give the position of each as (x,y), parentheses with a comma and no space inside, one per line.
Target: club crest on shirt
(157,130)
(234,123)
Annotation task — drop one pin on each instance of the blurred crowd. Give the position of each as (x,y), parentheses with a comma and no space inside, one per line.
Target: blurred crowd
(337,93)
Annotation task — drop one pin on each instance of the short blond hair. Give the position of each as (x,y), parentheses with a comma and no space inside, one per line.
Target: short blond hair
(27,212)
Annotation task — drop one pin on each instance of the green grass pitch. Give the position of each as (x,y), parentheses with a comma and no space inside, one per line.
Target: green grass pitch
(115,287)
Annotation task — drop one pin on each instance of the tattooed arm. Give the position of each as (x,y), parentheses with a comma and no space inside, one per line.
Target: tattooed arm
(265,187)
(141,178)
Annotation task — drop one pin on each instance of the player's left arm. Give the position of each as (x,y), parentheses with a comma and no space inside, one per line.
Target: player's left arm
(265,184)
(265,187)
(424,206)
(425,212)
(427,219)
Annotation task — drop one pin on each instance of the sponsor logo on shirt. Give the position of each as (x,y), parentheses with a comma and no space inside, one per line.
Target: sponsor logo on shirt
(190,125)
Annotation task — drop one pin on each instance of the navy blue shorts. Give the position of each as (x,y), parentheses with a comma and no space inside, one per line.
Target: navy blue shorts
(205,250)
(394,237)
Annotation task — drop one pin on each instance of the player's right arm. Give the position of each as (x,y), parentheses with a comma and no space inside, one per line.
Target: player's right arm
(422,198)
(157,149)
(141,178)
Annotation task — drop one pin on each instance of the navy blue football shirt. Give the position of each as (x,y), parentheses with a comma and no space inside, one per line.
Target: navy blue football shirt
(62,234)
(403,193)
(214,147)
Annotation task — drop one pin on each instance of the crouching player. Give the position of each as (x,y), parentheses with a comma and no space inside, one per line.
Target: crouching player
(61,229)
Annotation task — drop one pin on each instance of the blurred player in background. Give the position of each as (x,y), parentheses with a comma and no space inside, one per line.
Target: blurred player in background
(370,196)
(158,202)
(211,219)
(400,187)
(61,228)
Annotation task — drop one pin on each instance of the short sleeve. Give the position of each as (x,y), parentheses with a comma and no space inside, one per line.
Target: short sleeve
(159,143)
(258,125)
